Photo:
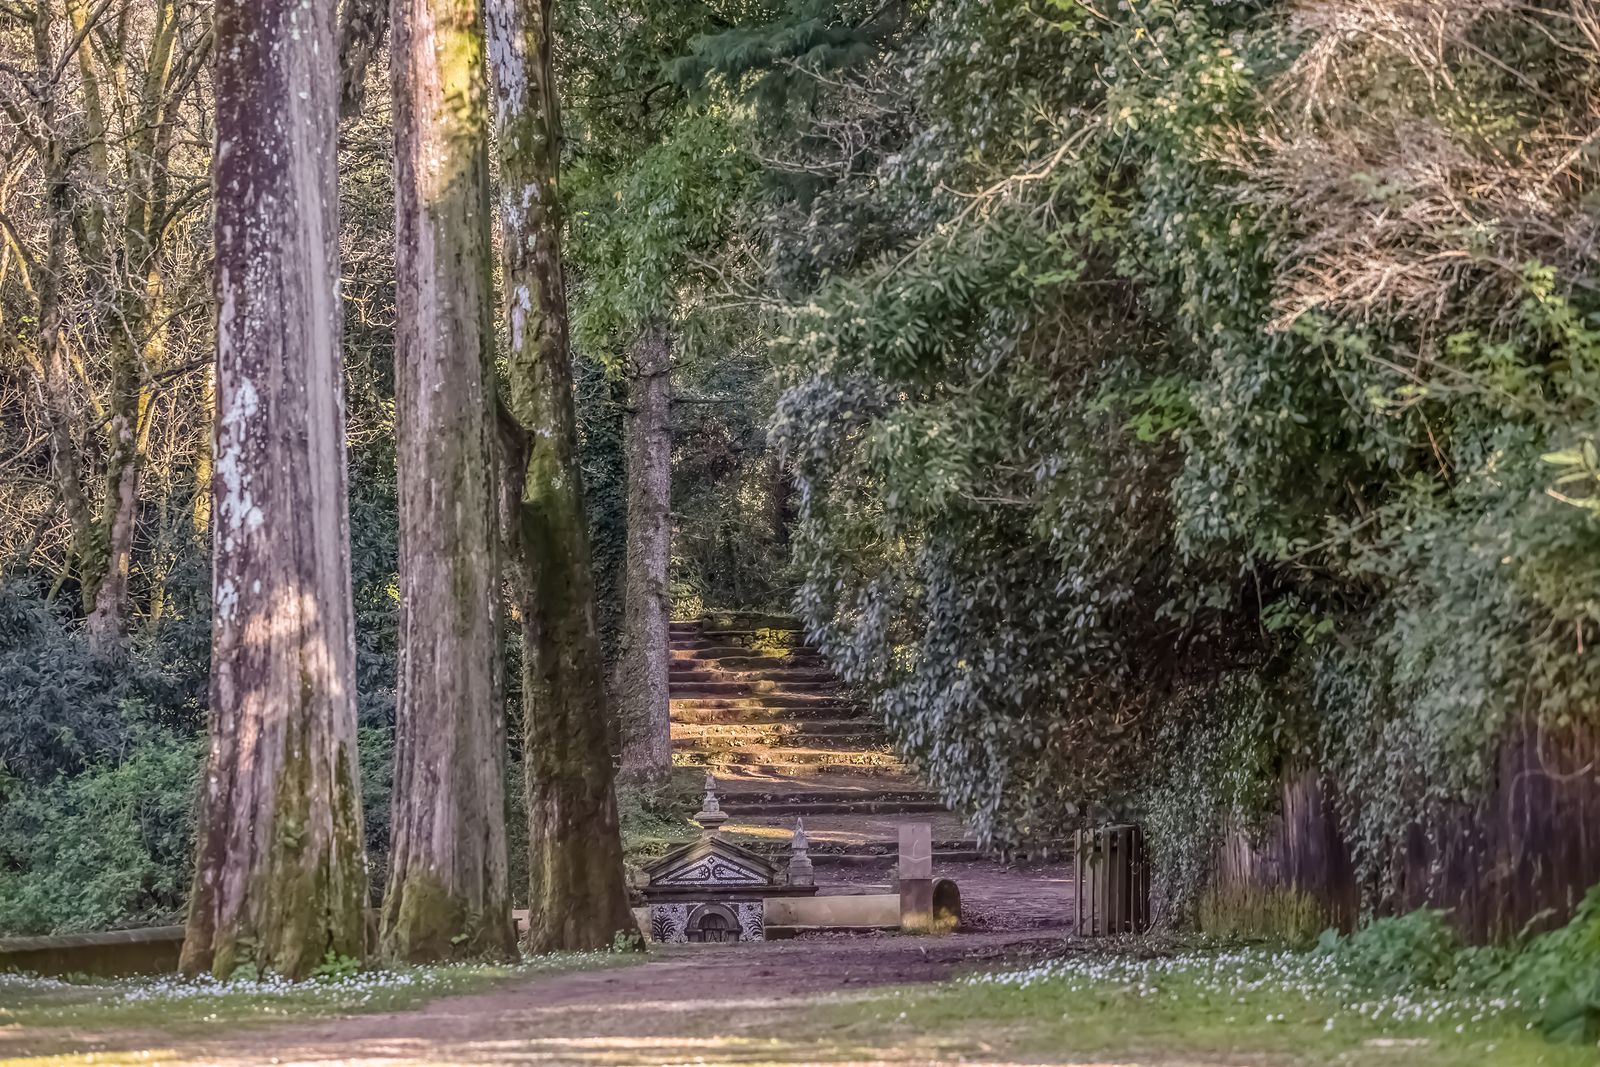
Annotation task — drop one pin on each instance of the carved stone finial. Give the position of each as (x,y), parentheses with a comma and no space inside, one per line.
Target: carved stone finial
(800,869)
(710,816)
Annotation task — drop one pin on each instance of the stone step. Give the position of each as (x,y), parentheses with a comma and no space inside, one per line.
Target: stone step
(841,731)
(784,769)
(740,659)
(799,702)
(703,646)
(862,748)
(690,672)
(881,857)
(745,636)
(752,689)
(789,808)
(807,756)
(693,716)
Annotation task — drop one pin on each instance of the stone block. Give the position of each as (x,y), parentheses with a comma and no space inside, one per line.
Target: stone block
(916,851)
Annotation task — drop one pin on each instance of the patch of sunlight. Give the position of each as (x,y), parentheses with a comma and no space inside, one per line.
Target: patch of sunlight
(765,832)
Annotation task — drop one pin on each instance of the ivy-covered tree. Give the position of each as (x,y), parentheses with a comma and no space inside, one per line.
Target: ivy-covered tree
(577,896)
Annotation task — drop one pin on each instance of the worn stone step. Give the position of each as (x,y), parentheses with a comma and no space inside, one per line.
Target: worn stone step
(840,731)
(769,717)
(740,659)
(876,758)
(886,858)
(797,770)
(751,688)
(789,808)
(775,632)
(764,701)
(864,749)
(690,672)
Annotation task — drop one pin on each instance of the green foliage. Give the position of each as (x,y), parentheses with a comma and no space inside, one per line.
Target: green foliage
(63,709)
(1276,915)
(657,819)
(1412,951)
(107,848)
(335,967)
(636,234)
(1556,973)
(1561,968)
(1147,447)
(780,58)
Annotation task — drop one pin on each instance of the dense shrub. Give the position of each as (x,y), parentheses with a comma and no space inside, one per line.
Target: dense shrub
(1556,974)
(1177,390)
(109,847)
(62,708)
(1418,950)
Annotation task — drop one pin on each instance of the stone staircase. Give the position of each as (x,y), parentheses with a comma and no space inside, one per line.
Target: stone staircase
(759,708)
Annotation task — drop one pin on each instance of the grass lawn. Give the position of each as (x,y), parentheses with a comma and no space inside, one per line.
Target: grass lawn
(1114,1005)
(1253,1007)
(179,1007)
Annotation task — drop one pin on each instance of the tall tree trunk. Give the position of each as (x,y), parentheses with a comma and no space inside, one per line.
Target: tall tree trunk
(280,881)
(448,889)
(642,670)
(577,895)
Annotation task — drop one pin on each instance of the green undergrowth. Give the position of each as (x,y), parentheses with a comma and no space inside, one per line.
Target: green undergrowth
(1555,975)
(1276,915)
(180,1006)
(655,819)
(1200,1005)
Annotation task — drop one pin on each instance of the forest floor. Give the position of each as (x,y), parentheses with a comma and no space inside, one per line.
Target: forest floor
(844,1001)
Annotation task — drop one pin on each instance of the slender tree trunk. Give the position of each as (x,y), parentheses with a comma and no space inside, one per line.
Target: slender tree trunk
(642,669)
(128,290)
(782,502)
(280,881)
(577,896)
(448,889)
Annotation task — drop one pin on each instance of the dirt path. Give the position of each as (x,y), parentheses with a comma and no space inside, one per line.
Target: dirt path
(717,1005)
(734,1004)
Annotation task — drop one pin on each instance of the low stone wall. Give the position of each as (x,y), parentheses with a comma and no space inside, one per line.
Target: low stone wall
(117,954)
(870,911)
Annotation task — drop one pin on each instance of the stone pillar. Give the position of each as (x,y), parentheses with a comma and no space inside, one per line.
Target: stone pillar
(800,869)
(916,878)
(710,816)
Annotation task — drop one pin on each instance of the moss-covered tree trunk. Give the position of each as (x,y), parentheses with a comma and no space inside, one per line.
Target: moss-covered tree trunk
(577,895)
(642,669)
(448,892)
(280,879)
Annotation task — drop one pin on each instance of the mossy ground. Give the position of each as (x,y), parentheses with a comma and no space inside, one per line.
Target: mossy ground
(179,1007)
(1117,1025)
(1136,1004)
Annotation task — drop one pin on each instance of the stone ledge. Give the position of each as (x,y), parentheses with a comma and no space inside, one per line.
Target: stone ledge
(115,954)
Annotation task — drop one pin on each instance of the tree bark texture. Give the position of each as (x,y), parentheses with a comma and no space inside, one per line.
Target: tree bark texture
(448,892)
(577,895)
(280,879)
(642,669)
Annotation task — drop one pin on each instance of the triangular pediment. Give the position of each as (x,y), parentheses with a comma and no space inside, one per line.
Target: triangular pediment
(710,862)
